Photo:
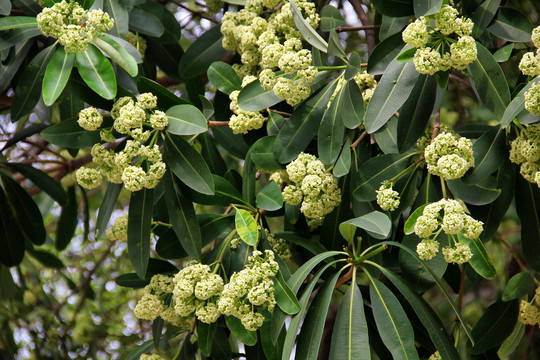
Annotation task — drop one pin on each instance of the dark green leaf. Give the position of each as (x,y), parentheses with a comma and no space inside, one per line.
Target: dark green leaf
(16,22)
(275,123)
(157,329)
(97,72)
(224,195)
(504,53)
(308,32)
(211,154)
(489,154)
(246,226)
(119,14)
(391,92)
(343,163)
(139,228)
(511,25)
(495,325)
(483,15)
(47,259)
(262,154)
(117,53)
(12,65)
(392,25)
(334,45)
(17,36)
(518,286)
(384,53)
(166,99)
(253,97)
(106,208)
(11,236)
(386,137)
(375,223)
(331,18)
(424,8)
(517,105)
(353,67)
(41,180)
(528,210)
(57,75)
(186,120)
(406,55)
(300,275)
(489,82)
(481,193)
(201,54)
(331,130)
(168,246)
(239,331)
(223,77)
(480,260)
(394,7)
(285,298)
(205,336)
(269,198)
(172,30)
(187,164)
(67,223)
(145,23)
(69,134)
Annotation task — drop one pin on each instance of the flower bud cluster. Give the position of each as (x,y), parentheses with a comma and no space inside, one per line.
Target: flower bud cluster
(449,156)
(313,186)
(137,166)
(437,48)
(150,357)
(72,25)
(279,245)
(387,198)
(530,62)
(525,150)
(242,121)
(460,254)
(118,230)
(250,288)
(366,83)
(529,312)
(267,40)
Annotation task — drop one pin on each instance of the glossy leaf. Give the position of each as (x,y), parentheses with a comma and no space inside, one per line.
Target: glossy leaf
(187,164)
(106,208)
(308,32)
(67,223)
(480,193)
(253,97)
(201,54)
(166,99)
(223,77)
(300,275)
(411,220)
(376,223)
(424,8)
(17,22)
(246,226)
(392,25)
(391,92)
(57,75)
(11,236)
(504,53)
(285,298)
(139,228)
(117,53)
(186,120)
(480,261)
(262,154)
(384,53)
(331,131)
(70,134)
(483,15)
(41,180)
(528,210)
(488,81)
(343,163)
(239,331)
(168,246)
(205,336)
(387,137)
(224,194)
(495,325)
(511,25)
(11,66)
(97,72)
(270,198)
(183,218)
(331,18)
(518,286)
(517,104)
(119,14)
(171,27)
(16,36)
(145,23)
(489,152)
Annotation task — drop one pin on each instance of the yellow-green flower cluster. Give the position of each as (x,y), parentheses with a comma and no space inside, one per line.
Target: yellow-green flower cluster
(435,356)
(279,245)
(532,99)
(150,357)
(530,62)
(72,25)
(529,312)
(460,254)
(387,198)
(137,41)
(525,150)
(267,40)
(249,289)
(118,230)
(449,156)
(313,186)
(137,165)
(438,49)
(242,121)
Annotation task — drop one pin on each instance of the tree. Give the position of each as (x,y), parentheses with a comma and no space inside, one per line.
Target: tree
(180,180)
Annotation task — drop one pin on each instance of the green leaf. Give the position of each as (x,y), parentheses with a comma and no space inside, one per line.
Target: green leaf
(57,75)
(262,154)
(70,134)
(12,65)
(489,154)
(26,211)
(168,246)
(331,131)
(391,92)
(186,120)
(504,53)
(166,99)
(308,32)
(28,90)
(528,210)
(483,15)
(384,53)
(343,163)
(5,7)
(376,170)
(386,136)
(139,228)
(511,342)
(518,286)
(411,220)
(495,325)
(270,198)
(511,25)
(392,323)
(392,25)
(119,14)
(285,298)
(303,124)
(517,104)
(106,208)
(183,218)
(117,53)
(407,55)
(350,337)
(223,77)
(253,97)
(309,339)
(205,336)
(11,236)
(353,67)
(47,259)
(224,193)
(480,261)
(331,18)
(97,72)
(239,331)
(17,36)
(67,223)
(488,81)
(376,223)
(300,275)
(480,193)
(145,23)
(424,8)
(172,29)
(201,54)
(187,164)
(17,22)
(394,7)
(246,226)
(334,45)
(41,180)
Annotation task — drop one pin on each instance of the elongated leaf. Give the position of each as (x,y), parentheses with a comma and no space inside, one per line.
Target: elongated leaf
(285,298)
(392,323)
(517,105)
(270,198)
(186,120)
(57,75)
(343,163)
(511,343)
(392,25)
(483,16)
(183,218)
(187,164)
(253,97)
(16,22)
(97,72)
(519,285)
(139,227)
(308,32)
(480,260)
(239,331)
(331,18)
(70,134)
(411,220)
(119,14)
(489,82)
(16,36)
(11,236)
(481,193)
(27,212)
(28,90)
(528,210)
(224,194)
(201,54)
(12,65)
(67,223)
(309,340)
(262,154)
(489,154)
(172,29)
(117,53)
(223,77)
(376,223)
(298,131)
(41,180)
(106,208)
(391,92)
(168,246)
(300,275)
(246,226)
(423,8)
(166,99)
(205,336)
(504,53)
(384,53)
(495,325)
(511,25)
(331,131)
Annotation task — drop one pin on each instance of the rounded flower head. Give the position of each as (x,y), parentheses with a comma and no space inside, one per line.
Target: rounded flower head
(416,34)
(449,156)
(463,52)
(445,19)
(90,119)
(387,198)
(458,255)
(535,36)
(532,99)
(149,307)
(88,178)
(134,178)
(118,230)
(530,64)
(529,314)
(427,249)
(427,61)
(147,101)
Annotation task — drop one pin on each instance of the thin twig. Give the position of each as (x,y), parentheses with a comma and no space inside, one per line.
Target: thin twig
(195,12)
(460,80)
(512,252)
(437,126)
(212,123)
(357,28)
(360,138)
(370,35)
(280,112)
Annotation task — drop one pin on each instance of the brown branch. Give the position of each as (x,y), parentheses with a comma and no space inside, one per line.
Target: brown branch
(212,123)
(370,35)
(280,112)
(357,28)
(512,252)
(460,80)
(437,126)
(360,138)
(195,12)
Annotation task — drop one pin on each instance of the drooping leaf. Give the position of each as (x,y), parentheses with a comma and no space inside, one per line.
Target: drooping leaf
(171,27)
(12,65)
(384,53)
(270,198)
(262,154)
(168,246)
(41,180)
(253,97)
(246,226)
(106,208)
(334,45)
(517,104)
(97,72)
(119,14)
(376,223)
(331,131)
(308,32)
(71,135)
(511,25)
(117,53)
(224,194)
(17,22)
(223,77)
(285,298)
(519,285)
(205,336)
(483,15)
(480,261)
(67,223)
(239,331)
(495,325)
(57,75)
(139,227)
(15,36)
(343,163)
(489,154)
(186,120)
(201,54)
(482,192)
(424,8)
(47,259)
(331,18)
(391,25)
(387,136)
(145,23)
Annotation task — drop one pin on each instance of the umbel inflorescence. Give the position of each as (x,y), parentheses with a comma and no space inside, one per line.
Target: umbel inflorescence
(530,66)
(137,165)
(72,25)
(449,156)
(529,312)
(442,41)
(525,150)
